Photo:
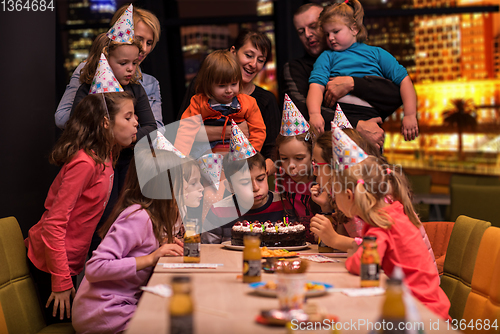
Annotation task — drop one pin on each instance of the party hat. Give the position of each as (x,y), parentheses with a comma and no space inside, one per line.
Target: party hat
(340,120)
(239,146)
(123,29)
(292,121)
(104,80)
(163,144)
(346,152)
(211,167)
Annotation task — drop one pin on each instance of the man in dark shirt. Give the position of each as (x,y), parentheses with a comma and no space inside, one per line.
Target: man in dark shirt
(379,93)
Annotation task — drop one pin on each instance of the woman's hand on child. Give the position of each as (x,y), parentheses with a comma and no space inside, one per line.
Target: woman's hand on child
(320,197)
(336,88)
(62,301)
(243,127)
(409,127)
(323,228)
(318,122)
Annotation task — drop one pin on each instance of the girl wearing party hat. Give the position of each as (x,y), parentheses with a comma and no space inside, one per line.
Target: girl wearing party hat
(58,243)
(147,32)
(113,65)
(294,178)
(190,192)
(362,185)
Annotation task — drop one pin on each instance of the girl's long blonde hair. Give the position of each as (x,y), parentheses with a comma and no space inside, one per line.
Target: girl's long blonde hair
(379,182)
(352,14)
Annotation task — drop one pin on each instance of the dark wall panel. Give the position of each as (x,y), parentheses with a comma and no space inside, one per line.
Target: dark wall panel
(27,107)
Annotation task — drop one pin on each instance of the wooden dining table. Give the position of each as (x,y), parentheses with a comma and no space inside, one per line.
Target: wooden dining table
(223,304)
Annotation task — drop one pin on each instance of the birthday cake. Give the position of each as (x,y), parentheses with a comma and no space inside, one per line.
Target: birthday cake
(277,234)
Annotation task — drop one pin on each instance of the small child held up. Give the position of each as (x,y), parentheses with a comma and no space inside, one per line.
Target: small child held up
(294,178)
(88,147)
(218,100)
(342,25)
(361,186)
(133,242)
(246,178)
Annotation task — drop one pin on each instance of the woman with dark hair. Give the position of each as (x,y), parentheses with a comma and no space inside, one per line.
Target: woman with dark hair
(252,49)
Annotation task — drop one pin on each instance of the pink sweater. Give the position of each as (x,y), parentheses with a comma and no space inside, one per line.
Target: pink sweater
(110,290)
(402,245)
(59,242)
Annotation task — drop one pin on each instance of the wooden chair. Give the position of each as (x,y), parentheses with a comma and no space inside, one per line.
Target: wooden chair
(18,297)
(460,260)
(439,236)
(483,303)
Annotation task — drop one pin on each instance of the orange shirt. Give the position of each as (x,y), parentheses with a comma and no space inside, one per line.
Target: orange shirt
(199,105)
(59,242)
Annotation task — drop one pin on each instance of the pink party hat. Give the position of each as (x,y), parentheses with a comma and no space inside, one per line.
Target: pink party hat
(123,29)
(211,167)
(163,144)
(292,121)
(239,146)
(346,152)
(340,120)
(104,80)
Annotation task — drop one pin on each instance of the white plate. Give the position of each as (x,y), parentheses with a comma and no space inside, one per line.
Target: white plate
(257,287)
(228,245)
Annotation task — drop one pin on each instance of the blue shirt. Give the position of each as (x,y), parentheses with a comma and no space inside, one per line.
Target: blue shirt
(358,60)
(150,84)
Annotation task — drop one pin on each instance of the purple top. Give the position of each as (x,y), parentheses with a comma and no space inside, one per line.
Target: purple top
(109,293)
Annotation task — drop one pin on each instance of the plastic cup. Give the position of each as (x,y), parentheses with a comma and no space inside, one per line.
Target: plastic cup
(291,291)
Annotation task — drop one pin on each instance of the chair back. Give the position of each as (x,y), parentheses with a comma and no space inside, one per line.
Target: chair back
(476,201)
(439,236)
(474,180)
(17,291)
(460,260)
(421,184)
(483,303)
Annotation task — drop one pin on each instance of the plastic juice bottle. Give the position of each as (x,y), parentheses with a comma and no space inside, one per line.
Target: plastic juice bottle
(251,258)
(393,309)
(181,306)
(192,242)
(370,263)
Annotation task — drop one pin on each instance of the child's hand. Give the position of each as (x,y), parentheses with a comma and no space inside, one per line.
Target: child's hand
(318,122)
(62,302)
(243,127)
(320,197)
(409,127)
(175,249)
(323,228)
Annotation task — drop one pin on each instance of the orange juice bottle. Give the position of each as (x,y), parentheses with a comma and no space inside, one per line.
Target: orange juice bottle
(251,258)
(370,263)
(393,309)
(192,242)
(181,306)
